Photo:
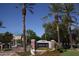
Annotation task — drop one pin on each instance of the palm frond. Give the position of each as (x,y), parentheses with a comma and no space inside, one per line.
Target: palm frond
(50,14)
(50,8)
(55,7)
(30,4)
(74,19)
(1,23)
(31,11)
(31,7)
(68,7)
(45,17)
(60,17)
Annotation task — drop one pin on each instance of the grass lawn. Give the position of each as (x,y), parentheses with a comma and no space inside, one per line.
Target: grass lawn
(70,53)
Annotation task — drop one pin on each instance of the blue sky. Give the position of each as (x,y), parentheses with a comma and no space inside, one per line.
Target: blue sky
(12,18)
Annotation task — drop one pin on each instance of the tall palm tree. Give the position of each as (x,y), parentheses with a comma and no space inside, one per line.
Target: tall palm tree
(56,10)
(68,10)
(25,7)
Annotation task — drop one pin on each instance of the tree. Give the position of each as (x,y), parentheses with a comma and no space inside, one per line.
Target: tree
(55,10)
(32,35)
(75,35)
(7,37)
(63,21)
(69,19)
(48,28)
(25,7)
(1,37)
(51,32)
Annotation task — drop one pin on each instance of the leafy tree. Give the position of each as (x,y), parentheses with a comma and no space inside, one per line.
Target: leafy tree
(32,35)
(51,32)
(1,37)
(7,37)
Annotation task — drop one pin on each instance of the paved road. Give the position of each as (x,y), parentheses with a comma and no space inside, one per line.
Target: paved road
(8,53)
(12,52)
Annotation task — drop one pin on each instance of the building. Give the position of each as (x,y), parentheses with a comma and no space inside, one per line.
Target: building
(16,38)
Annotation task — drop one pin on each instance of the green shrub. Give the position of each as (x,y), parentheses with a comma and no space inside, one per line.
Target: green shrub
(61,50)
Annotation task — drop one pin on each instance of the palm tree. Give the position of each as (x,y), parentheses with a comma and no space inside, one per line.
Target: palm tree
(25,7)
(60,10)
(55,9)
(68,20)
(66,9)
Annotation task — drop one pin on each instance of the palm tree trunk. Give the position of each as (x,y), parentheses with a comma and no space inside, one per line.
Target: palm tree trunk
(58,33)
(69,27)
(69,31)
(24,36)
(24,27)
(58,36)
(70,36)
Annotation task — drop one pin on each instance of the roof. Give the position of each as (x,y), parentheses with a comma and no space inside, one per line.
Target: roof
(17,37)
(42,41)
